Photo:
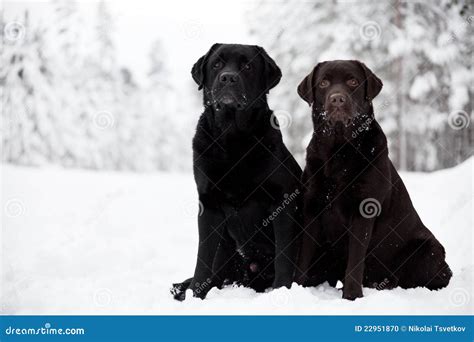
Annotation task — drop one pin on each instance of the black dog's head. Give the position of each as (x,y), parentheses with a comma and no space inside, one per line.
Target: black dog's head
(340,93)
(235,76)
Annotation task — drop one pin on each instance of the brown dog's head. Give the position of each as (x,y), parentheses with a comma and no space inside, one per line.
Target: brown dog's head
(340,93)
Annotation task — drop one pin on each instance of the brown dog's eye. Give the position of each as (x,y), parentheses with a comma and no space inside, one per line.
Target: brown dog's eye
(353,82)
(324,83)
(217,65)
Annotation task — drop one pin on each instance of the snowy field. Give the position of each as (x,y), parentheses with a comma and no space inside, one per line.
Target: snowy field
(80,242)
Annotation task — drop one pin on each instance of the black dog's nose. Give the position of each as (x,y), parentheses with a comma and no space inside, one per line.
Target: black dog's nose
(337,99)
(228,77)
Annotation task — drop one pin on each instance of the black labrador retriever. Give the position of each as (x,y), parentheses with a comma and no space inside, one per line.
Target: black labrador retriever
(248,182)
(360,225)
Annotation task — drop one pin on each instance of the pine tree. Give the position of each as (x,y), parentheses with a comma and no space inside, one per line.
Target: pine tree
(166,129)
(31,109)
(406,43)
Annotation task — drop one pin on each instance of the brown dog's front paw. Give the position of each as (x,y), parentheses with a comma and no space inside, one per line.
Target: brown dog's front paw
(352,294)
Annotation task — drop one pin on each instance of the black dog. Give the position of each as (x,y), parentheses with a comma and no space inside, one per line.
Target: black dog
(360,225)
(246,179)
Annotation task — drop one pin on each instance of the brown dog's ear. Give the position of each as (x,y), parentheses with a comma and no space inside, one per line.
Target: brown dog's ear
(373,84)
(271,72)
(306,87)
(199,67)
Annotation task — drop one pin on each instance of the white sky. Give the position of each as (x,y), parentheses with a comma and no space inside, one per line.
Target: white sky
(187,28)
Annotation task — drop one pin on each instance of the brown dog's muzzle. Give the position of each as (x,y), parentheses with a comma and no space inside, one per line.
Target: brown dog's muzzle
(338,108)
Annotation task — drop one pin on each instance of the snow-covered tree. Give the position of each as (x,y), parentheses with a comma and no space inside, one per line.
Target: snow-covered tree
(31,108)
(168,130)
(67,101)
(410,45)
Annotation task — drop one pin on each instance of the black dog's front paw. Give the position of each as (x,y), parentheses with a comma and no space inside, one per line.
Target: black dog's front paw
(277,283)
(200,289)
(352,293)
(179,291)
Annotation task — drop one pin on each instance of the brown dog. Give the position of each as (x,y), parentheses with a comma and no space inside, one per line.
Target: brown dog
(361,227)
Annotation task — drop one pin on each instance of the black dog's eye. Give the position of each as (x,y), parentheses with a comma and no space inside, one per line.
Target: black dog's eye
(247,66)
(217,65)
(323,83)
(353,82)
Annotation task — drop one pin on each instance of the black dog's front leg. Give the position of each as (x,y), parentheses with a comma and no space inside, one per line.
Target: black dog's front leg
(211,225)
(360,233)
(285,230)
(223,260)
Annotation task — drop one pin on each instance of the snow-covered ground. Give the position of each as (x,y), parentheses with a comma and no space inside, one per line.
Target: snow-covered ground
(80,242)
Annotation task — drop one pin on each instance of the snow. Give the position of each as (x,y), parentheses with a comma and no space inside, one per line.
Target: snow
(83,242)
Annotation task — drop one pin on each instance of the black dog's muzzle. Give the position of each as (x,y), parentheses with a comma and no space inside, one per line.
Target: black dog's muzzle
(229,91)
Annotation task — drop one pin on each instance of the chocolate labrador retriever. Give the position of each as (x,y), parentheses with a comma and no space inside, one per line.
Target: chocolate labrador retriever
(248,182)
(360,225)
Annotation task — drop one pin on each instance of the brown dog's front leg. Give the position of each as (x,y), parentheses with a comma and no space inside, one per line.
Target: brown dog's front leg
(360,233)
(307,252)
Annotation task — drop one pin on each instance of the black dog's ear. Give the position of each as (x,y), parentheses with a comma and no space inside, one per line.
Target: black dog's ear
(373,84)
(272,72)
(199,67)
(306,87)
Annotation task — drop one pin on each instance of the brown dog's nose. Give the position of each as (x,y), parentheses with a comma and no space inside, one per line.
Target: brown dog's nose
(228,77)
(337,99)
